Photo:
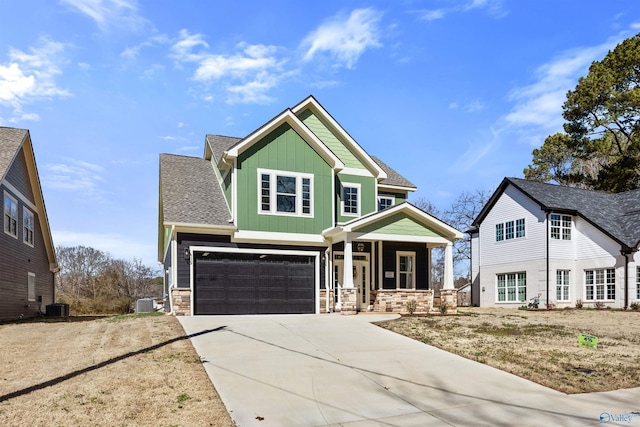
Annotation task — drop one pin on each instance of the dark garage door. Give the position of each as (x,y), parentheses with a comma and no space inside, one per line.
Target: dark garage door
(254,284)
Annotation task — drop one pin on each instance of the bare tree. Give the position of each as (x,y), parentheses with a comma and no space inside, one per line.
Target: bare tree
(461,214)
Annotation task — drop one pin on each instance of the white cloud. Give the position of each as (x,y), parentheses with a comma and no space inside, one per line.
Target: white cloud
(74,176)
(540,103)
(109,13)
(30,77)
(492,7)
(345,39)
(246,75)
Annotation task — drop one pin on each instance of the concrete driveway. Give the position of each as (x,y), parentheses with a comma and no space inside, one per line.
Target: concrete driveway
(316,370)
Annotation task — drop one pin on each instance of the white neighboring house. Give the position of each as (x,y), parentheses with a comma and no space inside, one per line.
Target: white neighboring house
(559,244)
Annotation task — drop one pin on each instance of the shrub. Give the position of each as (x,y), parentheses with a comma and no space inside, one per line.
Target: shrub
(578,303)
(599,305)
(635,306)
(411,306)
(522,307)
(443,308)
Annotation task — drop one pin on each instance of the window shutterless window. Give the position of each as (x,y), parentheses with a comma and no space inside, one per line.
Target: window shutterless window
(508,230)
(520,228)
(406,262)
(10,215)
(499,232)
(560,226)
(27,226)
(285,193)
(385,202)
(600,284)
(512,287)
(350,199)
(562,285)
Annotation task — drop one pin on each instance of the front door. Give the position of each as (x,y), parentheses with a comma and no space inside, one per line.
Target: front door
(360,277)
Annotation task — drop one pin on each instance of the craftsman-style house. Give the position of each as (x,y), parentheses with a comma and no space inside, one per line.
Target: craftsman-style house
(271,223)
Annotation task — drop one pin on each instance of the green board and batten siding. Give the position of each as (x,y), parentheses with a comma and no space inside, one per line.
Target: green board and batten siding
(330,140)
(283,150)
(399,224)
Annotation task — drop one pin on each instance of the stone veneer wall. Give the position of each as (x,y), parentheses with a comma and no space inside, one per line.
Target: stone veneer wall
(395,301)
(450,298)
(349,300)
(181,301)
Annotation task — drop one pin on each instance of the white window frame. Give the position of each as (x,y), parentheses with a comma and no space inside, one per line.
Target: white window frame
(607,284)
(390,199)
(517,287)
(343,187)
(28,233)
(31,286)
(510,230)
(563,285)
(273,193)
(560,226)
(411,255)
(8,215)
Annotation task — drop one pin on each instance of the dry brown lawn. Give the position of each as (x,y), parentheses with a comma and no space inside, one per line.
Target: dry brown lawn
(117,371)
(541,345)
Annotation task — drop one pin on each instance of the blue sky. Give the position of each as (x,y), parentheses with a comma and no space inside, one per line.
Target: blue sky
(453,94)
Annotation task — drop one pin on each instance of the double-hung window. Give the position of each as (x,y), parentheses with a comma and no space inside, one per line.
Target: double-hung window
(560,227)
(350,199)
(10,216)
(27,226)
(406,262)
(499,232)
(562,285)
(285,193)
(600,284)
(512,287)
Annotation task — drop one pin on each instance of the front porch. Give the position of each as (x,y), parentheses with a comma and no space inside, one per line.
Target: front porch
(382,262)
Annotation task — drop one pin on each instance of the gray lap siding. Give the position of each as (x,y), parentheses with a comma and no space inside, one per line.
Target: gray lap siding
(17,259)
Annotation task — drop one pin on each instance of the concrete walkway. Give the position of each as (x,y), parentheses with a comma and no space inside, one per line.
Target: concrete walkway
(317,370)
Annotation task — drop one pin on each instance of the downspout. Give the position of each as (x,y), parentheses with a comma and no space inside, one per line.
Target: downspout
(548,259)
(625,253)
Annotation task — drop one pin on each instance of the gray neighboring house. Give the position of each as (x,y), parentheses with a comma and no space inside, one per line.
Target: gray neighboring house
(559,244)
(27,255)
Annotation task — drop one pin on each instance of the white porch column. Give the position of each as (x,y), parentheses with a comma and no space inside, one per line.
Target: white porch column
(429,278)
(347,274)
(448,267)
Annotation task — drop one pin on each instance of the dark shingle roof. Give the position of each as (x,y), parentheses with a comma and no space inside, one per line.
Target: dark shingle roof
(190,192)
(393,177)
(617,215)
(10,142)
(219,144)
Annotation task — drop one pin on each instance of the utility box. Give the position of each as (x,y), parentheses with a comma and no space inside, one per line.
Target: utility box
(57,310)
(144,305)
